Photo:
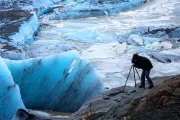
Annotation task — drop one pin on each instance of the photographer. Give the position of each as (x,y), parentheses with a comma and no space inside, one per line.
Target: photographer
(146,65)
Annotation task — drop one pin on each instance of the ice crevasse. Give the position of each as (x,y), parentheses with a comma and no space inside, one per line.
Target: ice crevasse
(61,82)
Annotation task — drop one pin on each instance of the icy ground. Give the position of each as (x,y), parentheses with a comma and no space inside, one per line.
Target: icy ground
(96,39)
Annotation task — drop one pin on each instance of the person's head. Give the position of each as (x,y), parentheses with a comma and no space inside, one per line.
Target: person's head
(135,57)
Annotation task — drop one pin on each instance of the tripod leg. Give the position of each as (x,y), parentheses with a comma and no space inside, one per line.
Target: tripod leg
(138,74)
(127,78)
(134,76)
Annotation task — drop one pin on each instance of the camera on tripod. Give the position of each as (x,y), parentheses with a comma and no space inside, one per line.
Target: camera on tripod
(134,73)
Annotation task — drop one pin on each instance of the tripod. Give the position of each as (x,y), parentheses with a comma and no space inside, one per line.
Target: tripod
(134,71)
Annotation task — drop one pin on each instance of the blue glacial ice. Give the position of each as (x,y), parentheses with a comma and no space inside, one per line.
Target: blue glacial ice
(91,8)
(27,4)
(10,100)
(26,33)
(61,82)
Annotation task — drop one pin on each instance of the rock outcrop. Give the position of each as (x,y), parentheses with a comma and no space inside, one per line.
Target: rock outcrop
(114,102)
(164,99)
(135,104)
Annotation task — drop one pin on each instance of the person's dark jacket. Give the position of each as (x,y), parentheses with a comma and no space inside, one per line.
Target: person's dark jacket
(141,62)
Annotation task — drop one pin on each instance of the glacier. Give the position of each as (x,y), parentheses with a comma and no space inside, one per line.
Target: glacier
(61,82)
(10,100)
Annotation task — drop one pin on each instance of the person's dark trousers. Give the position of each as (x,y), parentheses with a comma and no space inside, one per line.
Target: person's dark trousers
(145,73)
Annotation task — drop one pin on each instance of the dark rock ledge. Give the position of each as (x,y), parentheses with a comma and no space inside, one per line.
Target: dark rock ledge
(135,104)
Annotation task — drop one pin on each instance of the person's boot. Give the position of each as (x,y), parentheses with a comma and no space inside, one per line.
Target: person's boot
(141,86)
(151,86)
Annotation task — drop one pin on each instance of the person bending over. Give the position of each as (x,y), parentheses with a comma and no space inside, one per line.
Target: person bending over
(146,65)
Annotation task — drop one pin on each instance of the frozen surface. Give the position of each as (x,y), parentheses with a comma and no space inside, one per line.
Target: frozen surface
(111,28)
(10,100)
(109,42)
(61,82)
(112,62)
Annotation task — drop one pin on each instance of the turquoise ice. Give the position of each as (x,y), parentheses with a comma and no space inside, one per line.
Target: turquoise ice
(60,82)
(10,98)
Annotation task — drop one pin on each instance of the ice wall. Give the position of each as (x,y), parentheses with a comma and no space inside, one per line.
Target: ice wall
(26,32)
(10,100)
(61,82)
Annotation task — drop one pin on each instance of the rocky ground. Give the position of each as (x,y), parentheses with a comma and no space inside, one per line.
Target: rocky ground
(135,103)
(170,112)
(160,103)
